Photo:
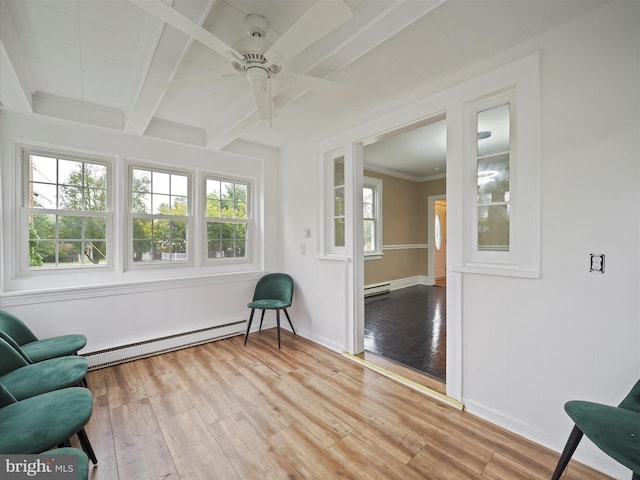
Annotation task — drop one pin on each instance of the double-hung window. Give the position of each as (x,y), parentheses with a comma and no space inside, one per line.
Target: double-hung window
(227,218)
(160,216)
(66,215)
(372,216)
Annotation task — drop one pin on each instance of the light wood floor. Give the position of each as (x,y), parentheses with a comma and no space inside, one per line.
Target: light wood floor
(224,411)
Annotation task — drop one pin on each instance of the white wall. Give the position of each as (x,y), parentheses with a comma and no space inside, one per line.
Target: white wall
(123,306)
(529,345)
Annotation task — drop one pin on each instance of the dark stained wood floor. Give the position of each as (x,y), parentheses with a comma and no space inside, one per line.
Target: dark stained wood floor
(409,326)
(224,411)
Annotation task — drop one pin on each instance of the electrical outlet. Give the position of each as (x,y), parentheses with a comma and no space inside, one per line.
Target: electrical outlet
(597,263)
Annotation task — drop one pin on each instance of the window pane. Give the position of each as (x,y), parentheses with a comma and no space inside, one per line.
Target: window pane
(141,181)
(43,169)
(70,198)
(213,206)
(179,185)
(493,179)
(161,204)
(96,199)
(70,172)
(213,189)
(161,182)
(226,209)
(339,202)
(493,227)
(338,172)
(43,195)
(339,232)
(141,202)
(369,228)
(241,210)
(493,130)
(142,240)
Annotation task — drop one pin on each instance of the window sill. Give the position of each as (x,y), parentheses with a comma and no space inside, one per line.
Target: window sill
(373,256)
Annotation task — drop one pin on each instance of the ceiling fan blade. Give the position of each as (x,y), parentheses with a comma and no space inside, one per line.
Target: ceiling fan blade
(188,82)
(261,87)
(324,17)
(318,85)
(164,12)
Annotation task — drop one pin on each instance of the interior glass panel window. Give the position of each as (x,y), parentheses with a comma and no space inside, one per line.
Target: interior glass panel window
(493,178)
(338,204)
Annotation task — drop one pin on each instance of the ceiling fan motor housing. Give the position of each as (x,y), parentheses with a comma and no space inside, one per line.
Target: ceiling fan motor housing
(253,46)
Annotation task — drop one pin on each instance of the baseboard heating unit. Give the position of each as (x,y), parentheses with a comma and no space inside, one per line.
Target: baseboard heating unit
(377,289)
(134,351)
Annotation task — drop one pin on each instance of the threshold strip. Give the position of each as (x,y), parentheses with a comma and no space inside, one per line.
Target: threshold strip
(452,402)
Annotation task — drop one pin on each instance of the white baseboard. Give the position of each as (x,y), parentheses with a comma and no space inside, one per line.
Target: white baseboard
(587,453)
(147,348)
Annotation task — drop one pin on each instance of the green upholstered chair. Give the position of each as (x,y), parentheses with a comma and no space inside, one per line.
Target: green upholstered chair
(614,430)
(38,349)
(273,291)
(83,461)
(23,379)
(43,422)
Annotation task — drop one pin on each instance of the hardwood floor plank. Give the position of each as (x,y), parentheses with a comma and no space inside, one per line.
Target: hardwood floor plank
(100,433)
(371,457)
(123,384)
(223,411)
(141,450)
(194,450)
(248,451)
(311,460)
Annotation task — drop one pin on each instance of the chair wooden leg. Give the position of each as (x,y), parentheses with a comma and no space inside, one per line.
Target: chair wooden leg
(290,324)
(86,445)
(278,324)
(569,448)
(246,335)
(261,319)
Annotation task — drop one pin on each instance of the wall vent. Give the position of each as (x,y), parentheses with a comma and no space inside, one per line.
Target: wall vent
(155,346)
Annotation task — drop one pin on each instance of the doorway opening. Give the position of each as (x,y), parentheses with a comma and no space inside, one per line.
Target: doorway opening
(404,306)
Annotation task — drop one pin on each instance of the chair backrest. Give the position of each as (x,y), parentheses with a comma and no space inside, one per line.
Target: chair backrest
(274,286)
(15,328)
(632,400)
(10,358)
(5,397)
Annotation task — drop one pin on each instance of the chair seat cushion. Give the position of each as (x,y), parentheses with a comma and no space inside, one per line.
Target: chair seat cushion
(268,304)
(616,431)
(54,347)
(46,376)
(43,422)
(83,461)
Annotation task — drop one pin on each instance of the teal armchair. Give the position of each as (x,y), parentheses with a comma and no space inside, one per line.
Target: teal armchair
(12,329)
(614,430)
(273,291)
(23,379)
(38,424)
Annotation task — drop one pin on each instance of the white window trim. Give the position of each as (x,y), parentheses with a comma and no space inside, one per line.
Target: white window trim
(191,246)
(23,151)
(521,80)
(327,248)
(376,185)
(203,219)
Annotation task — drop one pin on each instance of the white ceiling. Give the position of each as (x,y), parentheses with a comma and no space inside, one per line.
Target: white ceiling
(106,62)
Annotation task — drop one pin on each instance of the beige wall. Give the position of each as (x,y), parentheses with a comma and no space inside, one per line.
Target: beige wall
(404,222)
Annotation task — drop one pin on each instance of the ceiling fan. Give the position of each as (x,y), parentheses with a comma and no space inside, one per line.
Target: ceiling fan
(255,57)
